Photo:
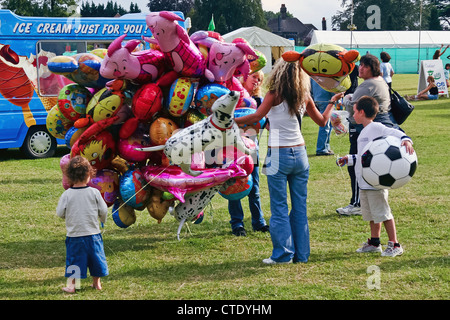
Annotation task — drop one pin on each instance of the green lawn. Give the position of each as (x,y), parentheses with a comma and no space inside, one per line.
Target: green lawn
(147,262)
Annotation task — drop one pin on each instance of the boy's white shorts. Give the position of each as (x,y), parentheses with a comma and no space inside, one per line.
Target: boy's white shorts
(375,205)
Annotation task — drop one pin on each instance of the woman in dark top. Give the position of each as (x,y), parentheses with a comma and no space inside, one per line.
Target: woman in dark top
(429,93)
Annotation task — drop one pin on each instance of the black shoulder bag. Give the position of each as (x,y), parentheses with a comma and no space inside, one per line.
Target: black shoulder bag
(400,107)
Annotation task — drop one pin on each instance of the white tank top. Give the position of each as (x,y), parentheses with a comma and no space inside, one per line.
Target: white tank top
(284,128)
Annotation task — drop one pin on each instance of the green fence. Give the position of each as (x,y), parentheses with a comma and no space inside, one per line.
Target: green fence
(403,60)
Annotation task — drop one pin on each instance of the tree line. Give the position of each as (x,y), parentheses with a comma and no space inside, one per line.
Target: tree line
(111,9)
(66,8)
(394,14)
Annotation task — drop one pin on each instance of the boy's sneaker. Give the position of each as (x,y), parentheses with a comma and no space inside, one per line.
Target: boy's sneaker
(369,248)
(392,251)
(349,210)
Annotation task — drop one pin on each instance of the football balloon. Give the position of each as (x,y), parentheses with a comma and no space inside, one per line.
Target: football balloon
(386,164)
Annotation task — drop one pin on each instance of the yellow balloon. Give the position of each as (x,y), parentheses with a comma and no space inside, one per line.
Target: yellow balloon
(57,124)
(328,64)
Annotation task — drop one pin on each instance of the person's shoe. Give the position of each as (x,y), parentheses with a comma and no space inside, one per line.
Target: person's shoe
(239,232)
(369,248)
(392,251)
(349,210)
(263,229)
(327,153)
(270,261)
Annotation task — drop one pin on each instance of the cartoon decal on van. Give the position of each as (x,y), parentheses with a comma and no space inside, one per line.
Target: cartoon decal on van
(15,84)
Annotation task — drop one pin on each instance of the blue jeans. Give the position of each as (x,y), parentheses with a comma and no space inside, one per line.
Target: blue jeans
(289,230)
(323,137)
(254,203)
(83,253)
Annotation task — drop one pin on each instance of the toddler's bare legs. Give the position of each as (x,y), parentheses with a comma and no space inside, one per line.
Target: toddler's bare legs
(96,283)
(70,288)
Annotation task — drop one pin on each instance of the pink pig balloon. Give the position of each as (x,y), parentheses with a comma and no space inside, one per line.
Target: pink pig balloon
(224,59)
(182,54)
(123,63)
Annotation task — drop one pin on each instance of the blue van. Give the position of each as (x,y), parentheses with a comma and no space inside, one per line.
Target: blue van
(28,90)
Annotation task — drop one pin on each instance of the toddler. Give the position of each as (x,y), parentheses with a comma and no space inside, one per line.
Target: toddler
(81,206)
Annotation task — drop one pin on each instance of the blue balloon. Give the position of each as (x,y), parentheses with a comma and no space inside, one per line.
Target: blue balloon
(242,193)
(132,191)
(69,135)
(246,111)
(207,94)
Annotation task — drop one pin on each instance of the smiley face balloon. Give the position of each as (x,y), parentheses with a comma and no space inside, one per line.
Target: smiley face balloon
(328,64)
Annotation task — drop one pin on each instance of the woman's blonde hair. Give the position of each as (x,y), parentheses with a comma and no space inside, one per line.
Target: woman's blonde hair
(289,82)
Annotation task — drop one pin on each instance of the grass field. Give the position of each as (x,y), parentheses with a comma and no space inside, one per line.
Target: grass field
(209,263)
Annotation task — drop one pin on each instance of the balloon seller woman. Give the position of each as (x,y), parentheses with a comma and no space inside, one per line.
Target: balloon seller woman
(286,163)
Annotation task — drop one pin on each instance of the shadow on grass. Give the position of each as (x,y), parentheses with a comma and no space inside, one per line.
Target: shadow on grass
(16,154)
(33,181)
(136,256)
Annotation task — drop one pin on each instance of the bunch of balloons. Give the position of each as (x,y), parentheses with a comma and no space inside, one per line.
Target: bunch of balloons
(114,107)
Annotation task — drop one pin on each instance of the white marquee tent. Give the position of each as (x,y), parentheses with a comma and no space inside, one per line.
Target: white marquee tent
(382,39)
(268,43)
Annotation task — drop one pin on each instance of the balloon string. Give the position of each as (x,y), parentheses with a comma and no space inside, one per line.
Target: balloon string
(342,172)
(125,202)
(145,186)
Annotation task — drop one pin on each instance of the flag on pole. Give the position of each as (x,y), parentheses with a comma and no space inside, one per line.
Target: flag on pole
(211,26)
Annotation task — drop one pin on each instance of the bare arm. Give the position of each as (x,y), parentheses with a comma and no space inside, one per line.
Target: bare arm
(262,110)
(322,118)
(425,90)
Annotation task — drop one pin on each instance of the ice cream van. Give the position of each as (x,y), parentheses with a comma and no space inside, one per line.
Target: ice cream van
(28,90)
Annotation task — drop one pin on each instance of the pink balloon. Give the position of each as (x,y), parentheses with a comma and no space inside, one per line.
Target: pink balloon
(62,163)
(230,154)
(124,63)
(225,58)
(127,147)
(181,53)
(234,84)
(107,182)
(178,183)
(198,161)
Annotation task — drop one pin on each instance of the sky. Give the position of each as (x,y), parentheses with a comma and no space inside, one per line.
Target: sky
(307,11)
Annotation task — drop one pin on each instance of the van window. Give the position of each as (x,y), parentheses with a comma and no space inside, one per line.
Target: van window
(50,84)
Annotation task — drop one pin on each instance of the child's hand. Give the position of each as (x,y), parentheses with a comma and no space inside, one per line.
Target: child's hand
(408,146)
(342,161)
